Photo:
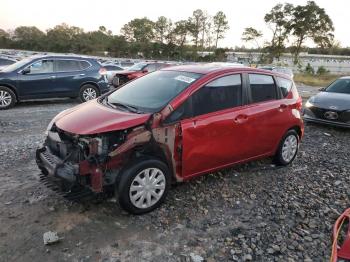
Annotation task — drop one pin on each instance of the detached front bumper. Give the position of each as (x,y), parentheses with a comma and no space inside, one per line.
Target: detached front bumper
(52,165)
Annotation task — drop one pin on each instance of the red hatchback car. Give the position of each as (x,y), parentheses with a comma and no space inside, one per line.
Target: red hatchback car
(169,126)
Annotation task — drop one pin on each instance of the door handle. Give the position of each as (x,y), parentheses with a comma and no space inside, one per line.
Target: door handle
(81,74)
(52,77)
(240,119)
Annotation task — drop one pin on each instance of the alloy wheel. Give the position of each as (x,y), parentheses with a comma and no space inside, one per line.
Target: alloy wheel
(5,98)
(89,94)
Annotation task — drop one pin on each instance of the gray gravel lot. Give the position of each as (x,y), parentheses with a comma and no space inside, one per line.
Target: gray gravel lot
(251,212)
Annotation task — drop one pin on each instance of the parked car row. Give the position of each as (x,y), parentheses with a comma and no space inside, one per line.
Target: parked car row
(170,126)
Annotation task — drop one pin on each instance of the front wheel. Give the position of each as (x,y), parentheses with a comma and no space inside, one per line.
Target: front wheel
(7,98)
(88,92)
(143,186)
(287,149)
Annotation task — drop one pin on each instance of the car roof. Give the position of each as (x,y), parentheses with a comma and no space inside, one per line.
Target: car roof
(215,68)
(61,56)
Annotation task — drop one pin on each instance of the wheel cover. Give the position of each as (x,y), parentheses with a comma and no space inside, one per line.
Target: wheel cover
(289,148)
(5,98)
(147,188)
(89,94)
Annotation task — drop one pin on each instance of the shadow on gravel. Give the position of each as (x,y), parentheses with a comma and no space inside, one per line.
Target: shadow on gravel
(32,103)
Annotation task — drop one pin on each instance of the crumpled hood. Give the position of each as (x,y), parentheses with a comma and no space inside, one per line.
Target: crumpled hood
(93,118)
(337,100)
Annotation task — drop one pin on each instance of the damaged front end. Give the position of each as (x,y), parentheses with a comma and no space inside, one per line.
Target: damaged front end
(87,162)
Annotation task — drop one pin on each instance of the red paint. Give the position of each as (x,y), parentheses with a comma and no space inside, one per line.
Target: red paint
(93,118)
(203,143)
(342,250)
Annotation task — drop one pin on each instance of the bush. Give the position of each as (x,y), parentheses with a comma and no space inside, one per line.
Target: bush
(309,70)
(322,70)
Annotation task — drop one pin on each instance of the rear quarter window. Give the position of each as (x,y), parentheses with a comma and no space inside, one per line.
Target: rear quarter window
(285,85)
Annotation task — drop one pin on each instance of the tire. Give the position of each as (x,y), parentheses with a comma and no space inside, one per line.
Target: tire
(88,92)
(7,98)
(287,149)
(136,174)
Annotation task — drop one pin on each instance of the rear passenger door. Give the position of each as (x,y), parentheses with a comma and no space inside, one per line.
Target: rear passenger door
(70,74)
(216,135)
(268,113)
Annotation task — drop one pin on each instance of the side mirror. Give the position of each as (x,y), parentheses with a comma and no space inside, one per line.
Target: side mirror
(26,71)
(321,89)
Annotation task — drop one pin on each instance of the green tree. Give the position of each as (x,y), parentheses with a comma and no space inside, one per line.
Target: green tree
(250,34)
(220,26)
(310,22)
(162,28)
(5,40)
(195,25)
(278,20)
(28,37)
(139,29)
(63,38)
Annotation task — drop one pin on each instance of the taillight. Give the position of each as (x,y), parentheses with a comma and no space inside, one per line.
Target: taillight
(102,71)
(299,104)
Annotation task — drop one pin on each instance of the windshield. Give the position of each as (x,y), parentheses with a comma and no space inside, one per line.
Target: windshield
(16,65)
(153,91)
(137,67)
(339,86)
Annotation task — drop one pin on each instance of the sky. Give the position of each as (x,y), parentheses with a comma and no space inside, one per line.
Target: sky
(113,14)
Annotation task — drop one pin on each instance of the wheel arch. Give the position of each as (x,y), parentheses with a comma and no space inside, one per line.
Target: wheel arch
(13,89)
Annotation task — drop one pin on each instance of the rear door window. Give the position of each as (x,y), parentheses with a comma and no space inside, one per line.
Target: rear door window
(41,67)
(70,65)
(262,88)
(285,85)
(222,93)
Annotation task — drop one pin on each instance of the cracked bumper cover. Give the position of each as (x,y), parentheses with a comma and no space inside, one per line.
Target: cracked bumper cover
(51,165)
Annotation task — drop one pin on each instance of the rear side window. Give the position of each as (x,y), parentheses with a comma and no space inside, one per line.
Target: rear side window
(285,85)
(262,88)
(6,62)
(71,65)
(222,93)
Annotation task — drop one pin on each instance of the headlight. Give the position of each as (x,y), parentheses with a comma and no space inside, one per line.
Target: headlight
(310,102)
(53,121)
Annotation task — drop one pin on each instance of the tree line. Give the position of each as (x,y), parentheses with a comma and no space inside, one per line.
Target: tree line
(140,37)
(294,26)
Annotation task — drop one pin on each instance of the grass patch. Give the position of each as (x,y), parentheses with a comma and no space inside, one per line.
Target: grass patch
(315,80)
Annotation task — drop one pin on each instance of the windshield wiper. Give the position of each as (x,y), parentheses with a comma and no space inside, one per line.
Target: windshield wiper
(128,107)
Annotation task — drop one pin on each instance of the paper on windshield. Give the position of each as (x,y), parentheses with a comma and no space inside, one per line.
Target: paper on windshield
(185,79)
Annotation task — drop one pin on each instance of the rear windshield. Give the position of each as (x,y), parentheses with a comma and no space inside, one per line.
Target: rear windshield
(339,86)
(153,91)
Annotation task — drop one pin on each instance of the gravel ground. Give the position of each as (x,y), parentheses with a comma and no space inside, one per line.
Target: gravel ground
(251,212)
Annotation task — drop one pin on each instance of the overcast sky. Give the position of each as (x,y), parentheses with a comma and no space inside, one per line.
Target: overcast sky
(113,14)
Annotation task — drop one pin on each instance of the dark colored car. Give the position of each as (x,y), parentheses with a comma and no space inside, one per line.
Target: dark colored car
(6,62)
(52,77)
(137,70)
(331,106)
(170,126)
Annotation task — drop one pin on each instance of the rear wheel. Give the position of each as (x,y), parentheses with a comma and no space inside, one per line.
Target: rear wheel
(88,92)
(143,186)
(7,98)
(288,148)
